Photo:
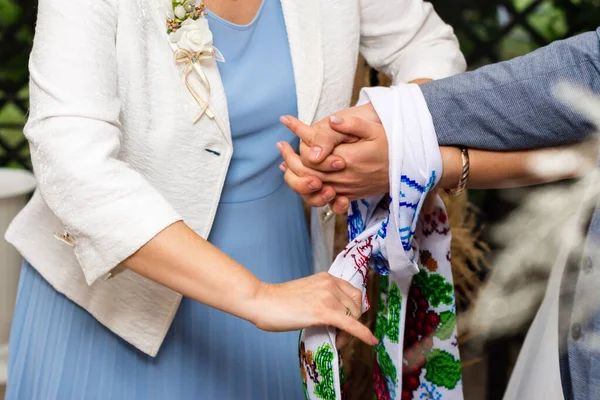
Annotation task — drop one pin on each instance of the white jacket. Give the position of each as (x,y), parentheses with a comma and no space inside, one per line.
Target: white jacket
(118,159)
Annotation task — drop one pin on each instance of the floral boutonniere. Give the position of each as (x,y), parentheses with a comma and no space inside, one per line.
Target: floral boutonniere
(188,28)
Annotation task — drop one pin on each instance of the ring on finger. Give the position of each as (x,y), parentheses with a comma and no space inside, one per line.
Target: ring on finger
(348,312)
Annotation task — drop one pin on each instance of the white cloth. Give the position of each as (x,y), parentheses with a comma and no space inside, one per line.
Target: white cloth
(387,234)
(536,375)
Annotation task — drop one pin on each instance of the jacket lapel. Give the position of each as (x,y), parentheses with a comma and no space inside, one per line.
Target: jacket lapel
(218,100)
(303,21)
(303,24)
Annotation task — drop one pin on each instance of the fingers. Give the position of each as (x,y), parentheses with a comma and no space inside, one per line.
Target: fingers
(293,161)
(351,299)
(354,294)
(296,175)
(356,127)
(350,307)
(340,205)
(331,163)
(321,198)
(335,303)
(299,128)
(302,180)
(321,143)
(311,187)
(302,185)
(352,327)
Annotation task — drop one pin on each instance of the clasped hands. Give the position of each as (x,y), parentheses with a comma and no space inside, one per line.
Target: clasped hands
(343,157)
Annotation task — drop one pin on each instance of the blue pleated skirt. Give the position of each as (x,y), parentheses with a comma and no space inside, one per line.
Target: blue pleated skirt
(58,351)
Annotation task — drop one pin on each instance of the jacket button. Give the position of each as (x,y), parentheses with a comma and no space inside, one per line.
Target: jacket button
(576,331)
(587,265)
(66,238)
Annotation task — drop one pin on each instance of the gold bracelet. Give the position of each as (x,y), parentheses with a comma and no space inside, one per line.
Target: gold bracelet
(464,176)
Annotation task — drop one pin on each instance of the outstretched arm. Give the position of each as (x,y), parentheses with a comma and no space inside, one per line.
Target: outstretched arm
(507,106)
(512,105)
(360,169)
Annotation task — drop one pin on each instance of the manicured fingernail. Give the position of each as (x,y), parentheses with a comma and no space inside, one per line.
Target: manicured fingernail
(374,340)
(312,185)
(284,121)
(279,146)
(336,120)
(327,196)
(315,152)
(282,167)
(337,165)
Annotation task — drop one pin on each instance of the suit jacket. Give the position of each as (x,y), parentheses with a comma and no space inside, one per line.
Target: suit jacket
(511,106)
(118,158)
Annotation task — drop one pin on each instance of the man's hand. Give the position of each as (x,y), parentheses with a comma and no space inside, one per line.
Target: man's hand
(357,167)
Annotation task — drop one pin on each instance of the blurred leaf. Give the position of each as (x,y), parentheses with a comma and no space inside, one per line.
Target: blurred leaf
(9,12)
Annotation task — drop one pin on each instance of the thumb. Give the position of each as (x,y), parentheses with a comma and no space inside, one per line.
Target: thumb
(355,126)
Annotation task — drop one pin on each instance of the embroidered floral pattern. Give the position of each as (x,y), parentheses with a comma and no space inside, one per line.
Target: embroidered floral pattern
(360,252)
(443,369)
(435,222)
(428,261)
(429,392)
(325,388)
(415,358)
(421,323)
(447,325)
(308,366)
(434,287)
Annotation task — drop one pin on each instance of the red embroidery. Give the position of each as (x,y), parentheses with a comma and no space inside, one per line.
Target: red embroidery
(361,253)
(379,381)
(434,222)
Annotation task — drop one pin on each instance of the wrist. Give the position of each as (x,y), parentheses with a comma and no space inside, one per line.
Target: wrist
(252,305)
(451,167)
(367,112)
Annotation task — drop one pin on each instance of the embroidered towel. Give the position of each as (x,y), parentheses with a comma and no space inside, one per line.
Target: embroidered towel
(409,245)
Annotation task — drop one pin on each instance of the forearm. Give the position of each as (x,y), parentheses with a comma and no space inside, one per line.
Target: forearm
(493,170)
(511,105)
(181,260)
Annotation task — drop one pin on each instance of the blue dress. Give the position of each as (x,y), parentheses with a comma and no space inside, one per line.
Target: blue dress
(58,351)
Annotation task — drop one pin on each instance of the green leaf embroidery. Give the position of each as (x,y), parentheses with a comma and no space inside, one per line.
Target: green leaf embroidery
(434,287)
(386,364)
(443,369)
(381,321)
(388,311)
(447,324)
(393,320)
(325,389)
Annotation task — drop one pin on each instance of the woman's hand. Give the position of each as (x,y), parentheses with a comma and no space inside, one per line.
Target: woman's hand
(181,260)
(320,138)
(356,169)
(317,300)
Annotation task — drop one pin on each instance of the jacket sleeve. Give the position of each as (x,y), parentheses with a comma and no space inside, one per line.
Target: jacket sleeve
(109,208)
(510,105)
(407,40)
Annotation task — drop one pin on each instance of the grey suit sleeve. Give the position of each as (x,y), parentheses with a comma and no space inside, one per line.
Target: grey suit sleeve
(510,105)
